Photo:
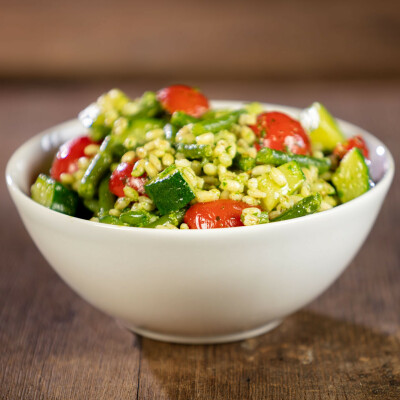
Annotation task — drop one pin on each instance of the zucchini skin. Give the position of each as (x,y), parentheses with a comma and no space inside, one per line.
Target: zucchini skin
(306,206)
(352,178)
(54,195)
(65,201)
(174,218)
(170,190)
(275,157)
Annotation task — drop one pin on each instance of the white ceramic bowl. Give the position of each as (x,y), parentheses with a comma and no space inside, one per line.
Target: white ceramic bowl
(198,286)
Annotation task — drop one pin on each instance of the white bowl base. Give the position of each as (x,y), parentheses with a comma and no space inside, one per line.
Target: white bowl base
(233,337)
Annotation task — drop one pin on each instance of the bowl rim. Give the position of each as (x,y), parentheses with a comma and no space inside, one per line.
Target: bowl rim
(15,190)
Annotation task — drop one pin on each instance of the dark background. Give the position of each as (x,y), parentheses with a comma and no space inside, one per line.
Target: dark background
(188,40)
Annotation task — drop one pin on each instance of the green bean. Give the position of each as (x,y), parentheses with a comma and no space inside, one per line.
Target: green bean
(93,118)
(306,206)
(217,124)
(92,205)
(174,218)
(106,198)
(195,151)
(212,114)
(136,218)
(244,163)
(99,166)
(111,220)
(179,119)
(98,131)
(275,157)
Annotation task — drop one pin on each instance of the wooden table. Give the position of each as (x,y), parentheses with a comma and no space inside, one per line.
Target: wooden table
(345,345)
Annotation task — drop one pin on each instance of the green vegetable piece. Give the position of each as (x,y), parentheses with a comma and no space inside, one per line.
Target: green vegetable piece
(195,151)
(323,188)
(96,117)
(52,194)
(146,107)
(244,163)
(212,114)
(254,108)
(136,218)
(111,220)
(97,168)
(217,124)
(136,130)
(106,198)
(100,117)
(352,178)
(322,127)
(92,118)
(92,205)
(294,179)
(275,157)
(306,206)
(263,218)
(174,218)
(179,119)
(170,190)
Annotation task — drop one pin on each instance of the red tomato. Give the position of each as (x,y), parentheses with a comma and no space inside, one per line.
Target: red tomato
(215,214)
(66,159)
(183,98)
(280,132)
(122,177)
(356,141)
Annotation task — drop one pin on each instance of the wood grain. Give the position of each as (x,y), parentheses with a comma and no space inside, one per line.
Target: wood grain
(226,38)
(345,345)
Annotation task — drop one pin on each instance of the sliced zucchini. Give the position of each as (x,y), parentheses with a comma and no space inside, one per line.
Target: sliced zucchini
(351,179)
(324,132)
(294,178)
(170,190)
(52,194)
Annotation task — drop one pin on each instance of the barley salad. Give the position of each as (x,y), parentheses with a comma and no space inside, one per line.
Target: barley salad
(167,160)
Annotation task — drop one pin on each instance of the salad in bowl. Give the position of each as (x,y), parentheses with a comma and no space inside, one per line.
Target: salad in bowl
(169,160)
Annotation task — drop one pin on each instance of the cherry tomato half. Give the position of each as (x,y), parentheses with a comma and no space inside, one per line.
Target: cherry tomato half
(356,141)
(122,177)
(183,98)
(278,131)
(66,159)
(215,214)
